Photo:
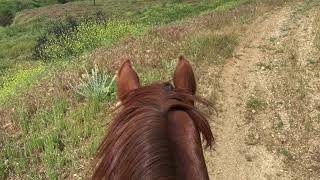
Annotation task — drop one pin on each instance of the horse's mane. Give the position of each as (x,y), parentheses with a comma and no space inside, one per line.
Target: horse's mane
(137,144)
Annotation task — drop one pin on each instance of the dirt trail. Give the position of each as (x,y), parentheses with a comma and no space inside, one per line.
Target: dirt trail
(239,155)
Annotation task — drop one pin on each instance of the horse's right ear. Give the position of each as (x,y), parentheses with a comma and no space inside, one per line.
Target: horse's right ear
(183,77)
(128,79)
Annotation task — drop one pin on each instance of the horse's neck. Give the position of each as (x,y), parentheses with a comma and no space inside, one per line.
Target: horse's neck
(186,146)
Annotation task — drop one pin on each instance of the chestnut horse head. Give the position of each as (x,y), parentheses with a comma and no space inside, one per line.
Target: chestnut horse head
(156,134)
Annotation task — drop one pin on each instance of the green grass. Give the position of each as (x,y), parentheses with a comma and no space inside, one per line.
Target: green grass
(256,103)
(226,5)
(212,48)
(62,135)
(278,123)
(163,73)
(170,12)
(88,36)
(52,139)
(16,44)
(284,151)
(17,41)
(163,14)
(91,35)
(20,81)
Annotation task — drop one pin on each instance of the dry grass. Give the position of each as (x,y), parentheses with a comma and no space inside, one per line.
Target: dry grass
(76,9)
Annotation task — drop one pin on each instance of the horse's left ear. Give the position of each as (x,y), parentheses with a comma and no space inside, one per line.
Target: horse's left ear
(128,79)
(183,77)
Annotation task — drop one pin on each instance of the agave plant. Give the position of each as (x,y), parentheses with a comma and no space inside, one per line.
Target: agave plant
(96,84)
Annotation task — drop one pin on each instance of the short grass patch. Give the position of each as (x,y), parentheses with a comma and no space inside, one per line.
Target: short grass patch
(226,5)
(213,48)
(256,103)
(169,12)
(278,123)
(20,81)
(163,73)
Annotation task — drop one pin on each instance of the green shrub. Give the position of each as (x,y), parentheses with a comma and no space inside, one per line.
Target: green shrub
(71,38)
(7,12)
(255,103)
(62,1)
(9,8)
(6,17)
(96,84)
(66,40)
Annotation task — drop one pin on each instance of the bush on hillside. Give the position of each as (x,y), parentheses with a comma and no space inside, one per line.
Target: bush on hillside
(72,37)
(63,1)
(10,7)
(96,84)
(6,17)
(58,33)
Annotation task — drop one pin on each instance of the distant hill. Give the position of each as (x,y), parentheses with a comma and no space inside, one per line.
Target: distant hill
(9,8)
